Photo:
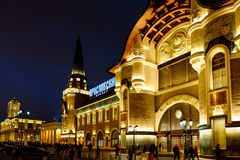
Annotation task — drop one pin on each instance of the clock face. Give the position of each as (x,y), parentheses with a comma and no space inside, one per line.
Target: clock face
(178,114)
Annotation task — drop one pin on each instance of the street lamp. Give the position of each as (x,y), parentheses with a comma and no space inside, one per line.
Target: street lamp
(183,124)
(134,132)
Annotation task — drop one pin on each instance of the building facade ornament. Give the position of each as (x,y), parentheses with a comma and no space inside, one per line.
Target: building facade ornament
(175,46)
(222,26)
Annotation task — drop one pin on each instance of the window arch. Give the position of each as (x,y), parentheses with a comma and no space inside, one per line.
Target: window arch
(88,139)
(100,139)
(218,71)
(115,138)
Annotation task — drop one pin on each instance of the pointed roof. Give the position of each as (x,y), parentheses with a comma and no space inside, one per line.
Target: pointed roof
(78,67)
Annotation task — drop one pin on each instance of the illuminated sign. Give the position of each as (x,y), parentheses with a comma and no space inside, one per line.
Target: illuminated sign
(102,88)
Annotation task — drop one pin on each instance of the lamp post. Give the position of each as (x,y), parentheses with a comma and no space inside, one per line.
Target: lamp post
(183,124)
(134,132)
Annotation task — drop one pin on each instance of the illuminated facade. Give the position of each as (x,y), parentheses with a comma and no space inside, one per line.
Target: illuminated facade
(181,61)
(50,133)
(18,126)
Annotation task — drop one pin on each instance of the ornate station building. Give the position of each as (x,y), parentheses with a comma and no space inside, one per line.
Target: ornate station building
(181,61)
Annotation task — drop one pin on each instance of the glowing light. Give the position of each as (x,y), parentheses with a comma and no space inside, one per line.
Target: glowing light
(102,88)
(68,136)
(233,129)
(75,90)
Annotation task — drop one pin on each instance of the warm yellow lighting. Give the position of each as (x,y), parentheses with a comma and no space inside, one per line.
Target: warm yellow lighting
(234,129)
(197,61)
(218,110)
(123,125)
(75,90)
(206,131)
(68,136)
(107,131)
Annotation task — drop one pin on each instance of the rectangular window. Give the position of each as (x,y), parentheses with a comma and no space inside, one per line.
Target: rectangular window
(94,117)
(99,116)
(83,120)
(88,118)
(115,113)
(107,115)
(78,122)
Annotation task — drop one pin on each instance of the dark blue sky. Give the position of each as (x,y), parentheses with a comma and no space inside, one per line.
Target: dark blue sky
(37,44)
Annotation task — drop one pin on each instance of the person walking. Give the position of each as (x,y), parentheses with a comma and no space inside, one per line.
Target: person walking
(160,147)
(116,150)
(130,153)
(80,151)
(176,153)
(71,153)
(196,153)
(98,152)
(218,152)
(191,153)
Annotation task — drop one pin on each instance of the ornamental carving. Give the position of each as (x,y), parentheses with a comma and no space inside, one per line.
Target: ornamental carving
(222,26)
(196,14)
(165,52)
(175,46)
(138,47)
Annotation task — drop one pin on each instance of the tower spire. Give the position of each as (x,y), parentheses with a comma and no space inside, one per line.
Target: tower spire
(78,66)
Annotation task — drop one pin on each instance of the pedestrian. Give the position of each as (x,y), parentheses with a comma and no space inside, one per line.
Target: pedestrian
(144,148)
(80,151)
(196,152)
(76,153)
(71,153)
(218,152)
(89,149)
(156,152)
(160,147)
(176,153)
(191,153)
(98,152)
(116,150)
(130,153)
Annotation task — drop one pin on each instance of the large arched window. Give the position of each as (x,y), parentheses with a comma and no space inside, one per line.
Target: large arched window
(100,139)
(218,71)
(88,139)
(115,138)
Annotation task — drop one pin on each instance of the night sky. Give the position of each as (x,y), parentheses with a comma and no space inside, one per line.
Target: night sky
(38,40)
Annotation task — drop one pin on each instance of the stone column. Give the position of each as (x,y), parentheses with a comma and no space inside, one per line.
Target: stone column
(198,63)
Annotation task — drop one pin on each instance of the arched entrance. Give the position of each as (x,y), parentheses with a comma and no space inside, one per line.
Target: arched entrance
(170,132)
